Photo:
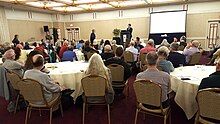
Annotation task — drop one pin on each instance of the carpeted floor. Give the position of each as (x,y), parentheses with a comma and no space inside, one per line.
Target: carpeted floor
(122,112)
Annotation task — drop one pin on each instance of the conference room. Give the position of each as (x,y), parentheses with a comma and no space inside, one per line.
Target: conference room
(109,61)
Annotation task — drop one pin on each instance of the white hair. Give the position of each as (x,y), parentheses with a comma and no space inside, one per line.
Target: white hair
(164,49)
(97,67)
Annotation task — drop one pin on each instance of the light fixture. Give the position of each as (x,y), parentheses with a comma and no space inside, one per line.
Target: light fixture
(95,6)
(45,4)
(67,9)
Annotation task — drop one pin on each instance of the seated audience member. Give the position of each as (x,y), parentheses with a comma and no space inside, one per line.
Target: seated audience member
(50,86)
(11,64)
(118,60)
(53,56)
(27,46)
(164,43)
(213,80)
(29,61)
(183,41)
(107,42)
(69,55)
(97,67)
(160,77)
(165,65)
(63,48)
(138,45)
(108,53)
(58,46)
(132,49)
(190,49)
(87,48)
(149,47)
(175,39)
(23,54)
(42,50)
(80,44)
(174,57)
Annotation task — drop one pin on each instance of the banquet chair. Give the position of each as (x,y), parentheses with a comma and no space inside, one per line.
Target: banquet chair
(32,91)
(14,78)
(128,57)
(94,86)
(143,61)
(209,109)
(117,72)
(195,58)
(89,54)
(150,93)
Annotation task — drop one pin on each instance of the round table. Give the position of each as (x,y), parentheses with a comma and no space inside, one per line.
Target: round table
(186,90)
(68,74)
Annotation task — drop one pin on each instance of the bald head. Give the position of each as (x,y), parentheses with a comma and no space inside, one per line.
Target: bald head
(38,60)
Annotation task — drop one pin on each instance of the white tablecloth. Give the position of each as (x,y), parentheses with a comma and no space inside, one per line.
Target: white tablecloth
(68,74)
(186,90)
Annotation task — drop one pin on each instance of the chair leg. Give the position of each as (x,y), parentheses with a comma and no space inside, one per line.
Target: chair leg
(165,119)
(136,115)
(40,112)
(61,109)
(16,104)
(30,112)
(84,107)
(51,114)
(197,118)
(109,119)
(170,119)
(27,113)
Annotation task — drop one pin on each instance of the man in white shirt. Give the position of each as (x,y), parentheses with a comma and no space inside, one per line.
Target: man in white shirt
(132,49)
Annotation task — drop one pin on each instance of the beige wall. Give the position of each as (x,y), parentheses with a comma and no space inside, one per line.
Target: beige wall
(60,25)
(27,29)
(196,27)
(104,28)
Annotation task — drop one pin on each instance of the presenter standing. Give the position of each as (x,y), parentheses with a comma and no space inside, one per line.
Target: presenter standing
(130,30)
(92,36)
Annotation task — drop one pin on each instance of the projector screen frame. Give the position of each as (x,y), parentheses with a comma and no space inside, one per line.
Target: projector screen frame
(166,12)
(158,36)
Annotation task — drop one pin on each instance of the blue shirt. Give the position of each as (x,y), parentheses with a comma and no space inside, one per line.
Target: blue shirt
(69,56)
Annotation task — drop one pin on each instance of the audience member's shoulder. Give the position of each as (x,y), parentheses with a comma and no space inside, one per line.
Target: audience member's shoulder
(164,74)
(140,75)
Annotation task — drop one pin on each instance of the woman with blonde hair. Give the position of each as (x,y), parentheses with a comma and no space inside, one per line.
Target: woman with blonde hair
(97,67)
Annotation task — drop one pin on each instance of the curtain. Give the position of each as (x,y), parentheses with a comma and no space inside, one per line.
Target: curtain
(4,30)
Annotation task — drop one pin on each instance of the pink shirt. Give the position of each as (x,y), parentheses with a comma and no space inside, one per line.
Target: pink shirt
(147,49)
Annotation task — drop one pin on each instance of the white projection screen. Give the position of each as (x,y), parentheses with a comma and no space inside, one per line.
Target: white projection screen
(168,22)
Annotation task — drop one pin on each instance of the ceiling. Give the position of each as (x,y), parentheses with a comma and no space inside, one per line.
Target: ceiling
(80,6)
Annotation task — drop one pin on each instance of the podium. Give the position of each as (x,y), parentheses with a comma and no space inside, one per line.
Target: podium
(125,37)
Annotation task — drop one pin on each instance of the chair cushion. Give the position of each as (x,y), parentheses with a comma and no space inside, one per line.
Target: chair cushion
(153,110)
(54,100)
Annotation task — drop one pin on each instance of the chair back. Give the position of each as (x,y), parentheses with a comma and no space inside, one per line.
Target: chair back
(195,58)
(128,56)
(209,103)
(13,78)
(32,91)
(148,92)
(89,54)
(94,85)
(117,72)
(143,60)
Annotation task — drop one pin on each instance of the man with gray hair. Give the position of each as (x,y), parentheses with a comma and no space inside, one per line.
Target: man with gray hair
(149,47)
(159,77)
(132,49)
(174,57)
(190,49)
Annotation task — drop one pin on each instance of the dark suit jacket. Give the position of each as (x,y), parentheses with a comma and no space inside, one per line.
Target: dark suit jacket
(116,60)
(130,30)
(106,56)
(176,59)
(92,37)
(213,81)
